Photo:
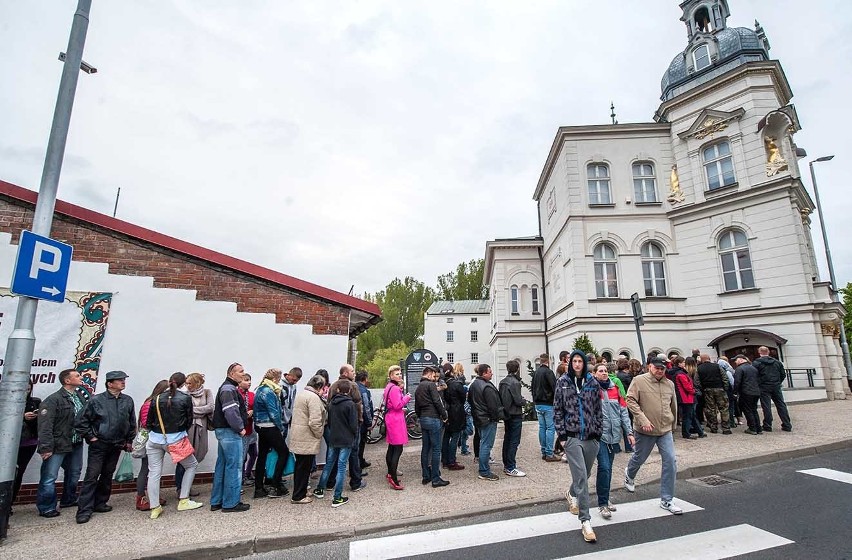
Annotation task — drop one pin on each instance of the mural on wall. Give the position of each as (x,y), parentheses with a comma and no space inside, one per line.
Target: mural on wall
(68,335)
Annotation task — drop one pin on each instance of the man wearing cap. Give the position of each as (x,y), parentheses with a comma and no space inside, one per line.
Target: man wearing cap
(108,425)
(651,398)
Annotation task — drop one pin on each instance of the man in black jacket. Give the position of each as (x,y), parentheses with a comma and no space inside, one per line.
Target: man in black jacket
(770,375)
(513,410)
(487,410)
(712,380)
(747,388)
(108,424)
(543,387)
(342,435)
(454,396)
(432,414)
(59,445)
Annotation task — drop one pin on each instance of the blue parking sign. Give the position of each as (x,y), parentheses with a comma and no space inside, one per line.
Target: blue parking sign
(41,269)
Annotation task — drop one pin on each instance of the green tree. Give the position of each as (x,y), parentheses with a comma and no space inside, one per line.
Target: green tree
(382,360)
(847,303)
(403,304)
(465,282)
(584,343)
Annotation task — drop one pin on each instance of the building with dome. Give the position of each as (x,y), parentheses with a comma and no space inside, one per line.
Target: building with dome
(701,212)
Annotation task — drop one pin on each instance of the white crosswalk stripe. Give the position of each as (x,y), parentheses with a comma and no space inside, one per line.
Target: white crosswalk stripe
(439,540)
(708,545)
(830,474)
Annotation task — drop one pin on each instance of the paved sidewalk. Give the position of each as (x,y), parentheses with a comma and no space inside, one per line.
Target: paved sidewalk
(271,524)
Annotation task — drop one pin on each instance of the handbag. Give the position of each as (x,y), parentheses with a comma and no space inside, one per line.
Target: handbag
(139,443)
(272,459)
(124,472)
(180,449)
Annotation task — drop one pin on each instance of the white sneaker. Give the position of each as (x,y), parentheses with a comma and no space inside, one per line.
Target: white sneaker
(670,507)
(605,512)
(588,532)
(564,458)
(611,506)
(573,503)
(514,472)
(629,483)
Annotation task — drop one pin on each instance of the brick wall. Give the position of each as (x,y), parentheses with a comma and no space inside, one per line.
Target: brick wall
(129,256)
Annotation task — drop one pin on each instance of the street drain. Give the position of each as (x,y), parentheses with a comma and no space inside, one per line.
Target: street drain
(713,481)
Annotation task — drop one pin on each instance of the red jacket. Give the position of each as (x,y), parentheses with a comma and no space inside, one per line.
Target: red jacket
(249,397)
(684,387)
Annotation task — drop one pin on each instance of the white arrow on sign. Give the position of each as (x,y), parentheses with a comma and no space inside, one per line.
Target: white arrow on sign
(50,290)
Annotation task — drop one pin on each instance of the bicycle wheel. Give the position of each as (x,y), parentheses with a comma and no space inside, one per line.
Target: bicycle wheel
(412,425)
(376,432)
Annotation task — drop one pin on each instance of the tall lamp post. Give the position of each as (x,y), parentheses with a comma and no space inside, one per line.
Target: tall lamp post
(844,344)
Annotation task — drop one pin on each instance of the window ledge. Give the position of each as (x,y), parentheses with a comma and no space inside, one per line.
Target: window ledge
(743,291)
(516,314)
(654,203)
(607,205)
(720,191)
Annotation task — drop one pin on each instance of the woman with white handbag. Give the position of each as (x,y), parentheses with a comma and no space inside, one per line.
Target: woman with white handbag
(169,418)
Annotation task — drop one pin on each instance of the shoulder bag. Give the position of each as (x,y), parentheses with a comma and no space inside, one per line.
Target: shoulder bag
(180,449)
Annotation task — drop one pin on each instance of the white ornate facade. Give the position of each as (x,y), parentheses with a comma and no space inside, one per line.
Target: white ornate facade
(701,212)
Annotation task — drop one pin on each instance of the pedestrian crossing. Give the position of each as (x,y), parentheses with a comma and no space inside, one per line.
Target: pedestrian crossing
(830,474)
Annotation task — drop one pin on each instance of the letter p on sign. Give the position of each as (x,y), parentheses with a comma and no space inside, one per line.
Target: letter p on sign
(41,270)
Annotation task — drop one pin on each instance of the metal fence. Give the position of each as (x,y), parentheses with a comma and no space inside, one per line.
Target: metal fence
(796,378)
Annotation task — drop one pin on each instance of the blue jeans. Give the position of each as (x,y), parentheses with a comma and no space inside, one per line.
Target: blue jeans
(337,456)
(606,454)
(228,474)
(665,444)
(511,440)
(430,452)
(72,466)
(546,429)
(449,446)
(487,433)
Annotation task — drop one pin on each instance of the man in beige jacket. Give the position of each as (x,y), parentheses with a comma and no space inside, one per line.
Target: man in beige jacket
(651,398)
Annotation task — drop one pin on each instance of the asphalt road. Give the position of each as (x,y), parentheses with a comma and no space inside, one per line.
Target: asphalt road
(772,503)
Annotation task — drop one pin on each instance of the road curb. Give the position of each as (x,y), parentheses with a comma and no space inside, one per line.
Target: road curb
(292,539)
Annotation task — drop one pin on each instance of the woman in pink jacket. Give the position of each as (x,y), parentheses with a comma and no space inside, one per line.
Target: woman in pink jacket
(395,428)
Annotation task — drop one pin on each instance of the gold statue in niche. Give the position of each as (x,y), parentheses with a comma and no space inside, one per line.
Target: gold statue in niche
(675,194)
(775,162)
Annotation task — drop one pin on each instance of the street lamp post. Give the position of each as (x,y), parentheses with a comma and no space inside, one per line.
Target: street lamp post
(844,344)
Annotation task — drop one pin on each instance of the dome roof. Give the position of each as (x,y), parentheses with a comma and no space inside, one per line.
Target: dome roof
(732,43)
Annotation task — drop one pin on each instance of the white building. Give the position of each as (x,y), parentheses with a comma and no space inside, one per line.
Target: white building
(458,332)
(701,212)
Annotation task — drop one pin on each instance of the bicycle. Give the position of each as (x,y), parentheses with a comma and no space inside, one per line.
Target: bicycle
(378,431)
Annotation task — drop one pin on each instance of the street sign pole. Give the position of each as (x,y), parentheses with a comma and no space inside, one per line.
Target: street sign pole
(638,320)
(21,344)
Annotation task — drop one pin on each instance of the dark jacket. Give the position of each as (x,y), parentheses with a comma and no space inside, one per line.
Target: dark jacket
(428,402)
(710,376)
(455,395)
(342,421)
(770,372)
(56,420)
(485,405)
(578,413)
(367,404)
(110,419)
(176,412)
(230,410)
(625,378)
(510,396)
(746,380)
(29,429)
(543,385)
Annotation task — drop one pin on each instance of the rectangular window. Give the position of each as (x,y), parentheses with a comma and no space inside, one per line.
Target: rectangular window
(598,177)
(449,336)
(514,293)
(606,283)
(450,357)
(449,319)
(534,293)
(701,57)
(644,183)
(719,166)
(474,336)
(474,358)
(736,270)
(474,319)
(654,276)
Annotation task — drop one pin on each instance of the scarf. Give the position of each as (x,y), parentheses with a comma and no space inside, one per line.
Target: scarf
(198,393)
(272,385)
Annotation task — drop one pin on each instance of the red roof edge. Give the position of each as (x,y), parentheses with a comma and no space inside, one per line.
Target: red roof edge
(171,243)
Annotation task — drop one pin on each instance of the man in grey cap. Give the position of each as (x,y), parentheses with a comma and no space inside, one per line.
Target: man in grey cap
(108,425)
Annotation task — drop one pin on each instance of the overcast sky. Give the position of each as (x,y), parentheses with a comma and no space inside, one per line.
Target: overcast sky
(351,142)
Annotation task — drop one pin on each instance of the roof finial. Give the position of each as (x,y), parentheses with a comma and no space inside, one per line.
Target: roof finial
(612,114)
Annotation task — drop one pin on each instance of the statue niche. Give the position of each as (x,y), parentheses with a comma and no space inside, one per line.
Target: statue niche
(778,144)
(775,162)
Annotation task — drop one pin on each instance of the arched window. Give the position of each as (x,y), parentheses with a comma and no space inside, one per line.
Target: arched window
(514,294)
(736,261)
(606,275)
(598,175)
(534,294)
(654,270)
(719,165)
(702,20)
(644,182)
(701,57)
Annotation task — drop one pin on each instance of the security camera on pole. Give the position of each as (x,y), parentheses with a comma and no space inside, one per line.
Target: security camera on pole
(38,257)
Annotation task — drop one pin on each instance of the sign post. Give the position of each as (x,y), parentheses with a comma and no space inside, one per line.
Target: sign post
(638,320)
(415,363)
